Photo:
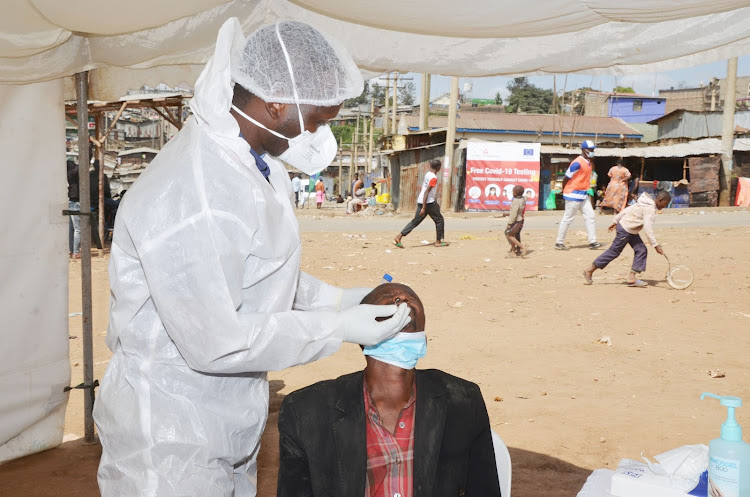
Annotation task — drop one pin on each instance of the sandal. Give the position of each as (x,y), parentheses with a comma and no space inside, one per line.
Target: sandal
(398,244)
(588,278)
(441,244)
(638,284)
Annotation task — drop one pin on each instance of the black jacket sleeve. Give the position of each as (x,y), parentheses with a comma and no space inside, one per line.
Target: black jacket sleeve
(294,470)
(482,479)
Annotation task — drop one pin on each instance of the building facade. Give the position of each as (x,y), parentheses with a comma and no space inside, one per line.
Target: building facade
(630,107)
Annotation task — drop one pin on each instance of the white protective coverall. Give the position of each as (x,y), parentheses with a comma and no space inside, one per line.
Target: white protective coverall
(206,297)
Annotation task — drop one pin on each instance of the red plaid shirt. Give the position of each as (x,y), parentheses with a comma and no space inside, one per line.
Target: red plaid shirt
(390,457)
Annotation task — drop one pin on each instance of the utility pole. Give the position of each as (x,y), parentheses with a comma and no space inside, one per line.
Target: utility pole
(727,133)
(449,139)
(371,138)
(341,165)
(424,108)
(355,152)
(387,102)
(395,105)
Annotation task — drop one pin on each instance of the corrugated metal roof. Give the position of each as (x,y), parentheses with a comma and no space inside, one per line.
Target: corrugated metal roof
(650,132)
(691,124)
(707,146)
(537,124)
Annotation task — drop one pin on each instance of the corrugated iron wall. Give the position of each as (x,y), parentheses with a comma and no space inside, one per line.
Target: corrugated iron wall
(408,168)
(414,164)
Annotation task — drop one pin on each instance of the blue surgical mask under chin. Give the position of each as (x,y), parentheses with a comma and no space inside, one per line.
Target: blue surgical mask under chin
(402,350)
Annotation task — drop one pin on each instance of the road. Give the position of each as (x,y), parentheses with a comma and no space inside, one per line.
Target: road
(333,220)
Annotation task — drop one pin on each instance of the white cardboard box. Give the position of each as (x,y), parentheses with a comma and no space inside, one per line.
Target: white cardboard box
(635,479)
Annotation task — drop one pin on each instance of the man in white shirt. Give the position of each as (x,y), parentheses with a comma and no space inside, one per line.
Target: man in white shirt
(296,186)
(426,205)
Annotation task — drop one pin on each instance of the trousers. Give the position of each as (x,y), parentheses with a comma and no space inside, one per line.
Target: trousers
(432,210)
(613,252)
(571,209)
(74,229)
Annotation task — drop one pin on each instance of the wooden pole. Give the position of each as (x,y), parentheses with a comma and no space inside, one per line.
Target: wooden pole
(372,135)
(82,92)
(387,103)
(727,133)
(394,122)
(100,156)
(424,108)
(449,139)
(355,148)
(341,165)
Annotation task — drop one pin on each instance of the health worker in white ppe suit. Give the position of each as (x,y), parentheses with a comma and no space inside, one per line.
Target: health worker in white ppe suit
(207,292)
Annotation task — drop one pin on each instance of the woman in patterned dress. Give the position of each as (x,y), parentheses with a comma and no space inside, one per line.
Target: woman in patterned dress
(616,196)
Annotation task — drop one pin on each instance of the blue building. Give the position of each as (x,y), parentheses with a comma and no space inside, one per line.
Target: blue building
(630,107)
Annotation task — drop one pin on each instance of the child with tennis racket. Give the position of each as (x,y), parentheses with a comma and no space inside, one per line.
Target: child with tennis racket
(628,224)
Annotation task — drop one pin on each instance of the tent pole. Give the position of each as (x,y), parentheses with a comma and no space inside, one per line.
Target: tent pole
(727,133)
(449,139)
(82,93)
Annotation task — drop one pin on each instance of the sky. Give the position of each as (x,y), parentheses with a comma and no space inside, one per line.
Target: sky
(648,84)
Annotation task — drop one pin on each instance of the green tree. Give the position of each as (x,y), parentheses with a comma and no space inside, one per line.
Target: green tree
(407,93)
(498,99)
(364,98)
(623,89)
(378,93)
(343,134)
(528,98)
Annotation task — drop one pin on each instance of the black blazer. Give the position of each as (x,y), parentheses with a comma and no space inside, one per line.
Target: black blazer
(323,439)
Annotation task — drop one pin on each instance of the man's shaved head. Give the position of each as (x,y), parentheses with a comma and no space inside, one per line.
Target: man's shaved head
(396,293)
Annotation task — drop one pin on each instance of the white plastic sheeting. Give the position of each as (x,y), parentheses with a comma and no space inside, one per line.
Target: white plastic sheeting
(46,39)
(34,365)
(138,42)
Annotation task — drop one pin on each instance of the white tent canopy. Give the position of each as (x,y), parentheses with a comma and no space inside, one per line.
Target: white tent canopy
(141,41)
(136,42)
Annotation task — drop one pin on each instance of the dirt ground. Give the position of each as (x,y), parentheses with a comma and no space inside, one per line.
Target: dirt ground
(528,332)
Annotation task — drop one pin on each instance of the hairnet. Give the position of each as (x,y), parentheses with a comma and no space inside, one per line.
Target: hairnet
(322,71)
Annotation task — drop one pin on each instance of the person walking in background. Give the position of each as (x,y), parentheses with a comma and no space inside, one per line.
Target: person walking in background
(616,195)
(296,187)
(96,237)
(74,204)
(320,192)
(576,184)
(426,205)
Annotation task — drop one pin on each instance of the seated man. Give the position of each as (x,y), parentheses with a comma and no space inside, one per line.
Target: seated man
(389,430)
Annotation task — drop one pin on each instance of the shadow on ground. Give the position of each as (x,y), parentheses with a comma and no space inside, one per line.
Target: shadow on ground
(70,470)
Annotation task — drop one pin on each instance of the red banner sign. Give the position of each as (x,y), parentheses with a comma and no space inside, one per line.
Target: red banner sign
(493,169)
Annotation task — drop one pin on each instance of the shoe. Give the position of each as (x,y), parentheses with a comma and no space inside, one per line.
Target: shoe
(595,245)
(560,246)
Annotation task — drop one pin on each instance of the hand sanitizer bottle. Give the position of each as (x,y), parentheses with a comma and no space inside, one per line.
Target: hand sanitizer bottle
(728,456)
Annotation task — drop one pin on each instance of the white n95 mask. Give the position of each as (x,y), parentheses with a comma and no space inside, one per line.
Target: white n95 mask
(308,152)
